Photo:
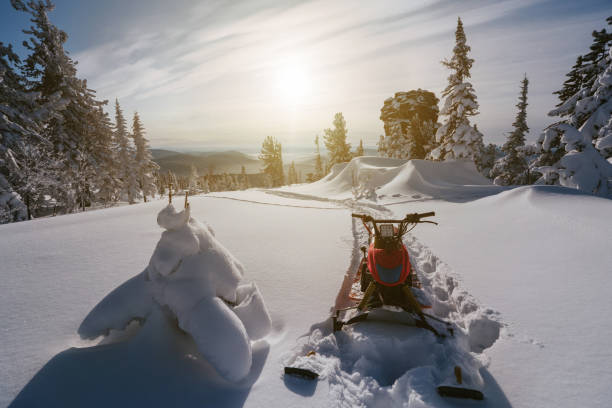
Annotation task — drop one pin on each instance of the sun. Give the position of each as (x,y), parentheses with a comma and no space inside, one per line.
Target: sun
(293,81)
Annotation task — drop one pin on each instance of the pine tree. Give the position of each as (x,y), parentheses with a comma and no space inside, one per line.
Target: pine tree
(292,177)
(456,138)
(572,152)
(272,157)
(145,165)
(126,163)
(53,74)
(193,180)
(359,150)
(335,141)
(573,84)
(244,180)
(511,169)
(319,172)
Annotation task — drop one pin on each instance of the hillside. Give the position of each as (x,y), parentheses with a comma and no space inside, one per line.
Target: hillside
(219,162)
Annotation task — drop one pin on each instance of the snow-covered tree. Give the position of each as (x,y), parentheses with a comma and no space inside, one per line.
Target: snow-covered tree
(292,177)
(145,165)
(456,138)
(573,151)
(244,179)
(319,172)
(335,141)
(272,157)
(193,180)
(410,121)
(511,169)
(52,73)
(359,151)
(127,168)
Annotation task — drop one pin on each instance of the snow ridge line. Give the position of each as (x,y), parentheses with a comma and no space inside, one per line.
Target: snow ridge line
(276,204)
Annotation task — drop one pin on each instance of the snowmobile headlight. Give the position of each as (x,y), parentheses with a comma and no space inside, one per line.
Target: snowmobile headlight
(386,230)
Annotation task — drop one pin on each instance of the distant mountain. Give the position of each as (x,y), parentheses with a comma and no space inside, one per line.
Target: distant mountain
(218,162)
(230,161)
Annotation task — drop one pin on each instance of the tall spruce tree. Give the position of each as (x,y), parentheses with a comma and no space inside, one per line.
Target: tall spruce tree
(145,165)
(456,138)
(272,157)
(335,141)
(359,151)
(52,73)
(572,152)
(127,169)
(511,169)
(319,172)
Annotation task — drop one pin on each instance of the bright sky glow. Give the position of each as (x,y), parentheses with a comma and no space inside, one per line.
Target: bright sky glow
(217,73)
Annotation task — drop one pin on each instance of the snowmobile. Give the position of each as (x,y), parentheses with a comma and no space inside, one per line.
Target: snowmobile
(384,288)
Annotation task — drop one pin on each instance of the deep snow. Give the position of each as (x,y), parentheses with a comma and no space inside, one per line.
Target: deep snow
(531,261)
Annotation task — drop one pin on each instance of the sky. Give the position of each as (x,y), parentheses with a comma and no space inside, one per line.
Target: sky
(209,75)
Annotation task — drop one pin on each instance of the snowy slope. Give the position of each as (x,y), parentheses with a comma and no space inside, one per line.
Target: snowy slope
(534,259)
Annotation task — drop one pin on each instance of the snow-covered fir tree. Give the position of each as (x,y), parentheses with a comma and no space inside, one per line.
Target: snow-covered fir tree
(272,157)
(126,163)
(145,165)
(410,121)
(456,138)
(244,179)
(359,151)
(335,141)
(573,151)
(292,176)
(511,169)
(194,178)
(319,171)
(52,73)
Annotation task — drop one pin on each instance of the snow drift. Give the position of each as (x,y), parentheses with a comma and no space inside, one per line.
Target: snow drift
(373,178)
(197,281)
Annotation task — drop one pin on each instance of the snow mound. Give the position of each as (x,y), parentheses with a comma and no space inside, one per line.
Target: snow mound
(199,282)
(376,178)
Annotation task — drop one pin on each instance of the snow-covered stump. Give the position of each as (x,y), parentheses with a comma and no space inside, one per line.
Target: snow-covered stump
(196,280)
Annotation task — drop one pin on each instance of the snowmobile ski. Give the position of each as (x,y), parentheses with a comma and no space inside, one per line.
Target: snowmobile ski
(302,373)
(459,392)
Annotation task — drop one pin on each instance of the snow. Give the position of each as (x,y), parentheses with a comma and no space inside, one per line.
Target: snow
(523,273)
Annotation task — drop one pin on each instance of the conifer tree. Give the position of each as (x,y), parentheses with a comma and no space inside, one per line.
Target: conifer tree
(292,177)
(359,150)
(244,180)
(52,73)
(193,180)
(319,172)
(335,141)
(127,170)
(145,165)
(456,138)
(272,157)
(572,152)
(511,169)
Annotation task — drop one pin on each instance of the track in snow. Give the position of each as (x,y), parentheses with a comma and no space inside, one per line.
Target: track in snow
(382,365)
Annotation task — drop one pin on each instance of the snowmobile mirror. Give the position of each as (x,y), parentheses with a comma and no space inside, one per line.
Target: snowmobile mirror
(386,230)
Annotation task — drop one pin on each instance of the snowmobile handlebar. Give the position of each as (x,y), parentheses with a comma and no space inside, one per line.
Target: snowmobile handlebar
(408,219)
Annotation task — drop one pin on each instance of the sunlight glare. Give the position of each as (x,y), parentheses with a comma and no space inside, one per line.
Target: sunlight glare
(293,82)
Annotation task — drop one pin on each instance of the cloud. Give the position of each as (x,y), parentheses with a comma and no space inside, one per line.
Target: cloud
(213,72)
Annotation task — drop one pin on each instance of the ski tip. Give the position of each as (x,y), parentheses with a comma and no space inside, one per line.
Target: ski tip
(459,392)
(302,373)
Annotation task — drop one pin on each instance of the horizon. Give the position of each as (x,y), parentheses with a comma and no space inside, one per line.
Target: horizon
(209,76)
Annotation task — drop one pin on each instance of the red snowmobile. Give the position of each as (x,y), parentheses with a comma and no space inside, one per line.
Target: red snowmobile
(386,289)
(385,280)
